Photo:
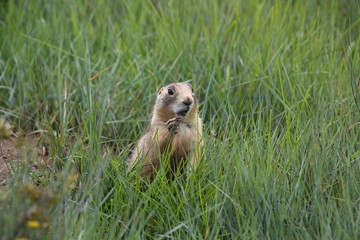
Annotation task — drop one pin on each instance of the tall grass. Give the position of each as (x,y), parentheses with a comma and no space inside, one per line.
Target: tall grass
(278,83)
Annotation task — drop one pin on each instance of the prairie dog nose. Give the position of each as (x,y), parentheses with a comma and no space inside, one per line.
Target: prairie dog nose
(187,101)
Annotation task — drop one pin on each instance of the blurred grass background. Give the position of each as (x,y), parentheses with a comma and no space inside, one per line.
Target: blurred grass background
(278,83)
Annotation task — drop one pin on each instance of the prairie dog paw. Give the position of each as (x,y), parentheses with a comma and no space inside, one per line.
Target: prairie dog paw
(173,124)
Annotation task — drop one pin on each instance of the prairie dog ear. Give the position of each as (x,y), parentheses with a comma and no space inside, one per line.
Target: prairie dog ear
(189,85)
(160,90)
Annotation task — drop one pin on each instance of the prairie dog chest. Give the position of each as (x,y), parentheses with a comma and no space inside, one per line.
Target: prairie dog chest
(185,137)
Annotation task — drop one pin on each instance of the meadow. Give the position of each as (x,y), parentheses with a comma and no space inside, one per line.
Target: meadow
(278,82)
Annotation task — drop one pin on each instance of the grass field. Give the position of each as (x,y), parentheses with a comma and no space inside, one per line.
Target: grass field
(278,83)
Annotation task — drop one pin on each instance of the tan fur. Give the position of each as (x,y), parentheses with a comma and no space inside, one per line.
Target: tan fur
(171,131)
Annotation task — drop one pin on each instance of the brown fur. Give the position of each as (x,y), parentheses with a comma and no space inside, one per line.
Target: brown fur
(171,131)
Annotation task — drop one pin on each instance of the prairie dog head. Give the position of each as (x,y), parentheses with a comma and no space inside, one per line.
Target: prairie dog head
(176,99)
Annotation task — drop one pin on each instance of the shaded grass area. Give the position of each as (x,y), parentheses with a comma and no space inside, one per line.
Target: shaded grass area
(278,83)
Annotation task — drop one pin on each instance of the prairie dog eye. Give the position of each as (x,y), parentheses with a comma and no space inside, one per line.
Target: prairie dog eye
(170,92)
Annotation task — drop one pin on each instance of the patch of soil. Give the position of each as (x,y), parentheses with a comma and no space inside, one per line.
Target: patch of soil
(17,152)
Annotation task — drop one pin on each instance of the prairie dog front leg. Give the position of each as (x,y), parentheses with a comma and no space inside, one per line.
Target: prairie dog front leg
(173,124)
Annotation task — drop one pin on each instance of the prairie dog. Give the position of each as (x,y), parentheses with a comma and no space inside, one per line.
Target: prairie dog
(175,129)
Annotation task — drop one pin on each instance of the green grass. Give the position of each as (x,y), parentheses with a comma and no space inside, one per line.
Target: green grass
(278,83)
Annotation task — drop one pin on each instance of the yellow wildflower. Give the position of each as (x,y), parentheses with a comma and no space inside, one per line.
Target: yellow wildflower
(33,224)
(72,177)
(5,128)
(71,181)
